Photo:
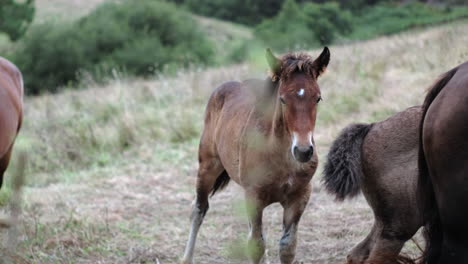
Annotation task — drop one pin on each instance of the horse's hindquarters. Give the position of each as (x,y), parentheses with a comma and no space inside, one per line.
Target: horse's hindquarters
(445,145)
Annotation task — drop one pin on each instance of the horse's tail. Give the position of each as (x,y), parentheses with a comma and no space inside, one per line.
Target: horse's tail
(425,192)
(343,170)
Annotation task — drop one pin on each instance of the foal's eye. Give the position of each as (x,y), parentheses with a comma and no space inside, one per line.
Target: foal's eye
(319,99)
(282,100)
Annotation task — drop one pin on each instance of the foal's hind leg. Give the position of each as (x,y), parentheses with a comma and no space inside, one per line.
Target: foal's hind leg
(293,209)
(210,169)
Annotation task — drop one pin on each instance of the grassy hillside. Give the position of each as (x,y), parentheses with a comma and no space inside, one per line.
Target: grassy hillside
(224,34)
(112,169)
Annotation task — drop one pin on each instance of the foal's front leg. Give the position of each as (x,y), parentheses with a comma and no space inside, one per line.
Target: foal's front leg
(256,243)
(293,209)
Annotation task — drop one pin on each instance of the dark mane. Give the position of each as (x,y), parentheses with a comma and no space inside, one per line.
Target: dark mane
(294,62)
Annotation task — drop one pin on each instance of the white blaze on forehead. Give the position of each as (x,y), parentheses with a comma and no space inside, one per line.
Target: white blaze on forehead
(301,92)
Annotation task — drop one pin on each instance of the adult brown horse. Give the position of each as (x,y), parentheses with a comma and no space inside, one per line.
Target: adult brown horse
(381,159)
(443,167)
(259,133)
(11,110)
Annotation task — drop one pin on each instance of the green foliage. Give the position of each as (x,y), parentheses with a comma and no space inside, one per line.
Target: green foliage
(305,26)
(15,18)
(249,12)
(384,19)
(287,30)
(48,58)
(327,21)
(309,25)
(139,40)
(357,5)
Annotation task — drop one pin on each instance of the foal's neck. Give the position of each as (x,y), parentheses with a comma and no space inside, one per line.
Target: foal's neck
(270,109)
(278,128)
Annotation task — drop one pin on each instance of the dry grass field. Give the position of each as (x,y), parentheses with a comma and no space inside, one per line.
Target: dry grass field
(111,168)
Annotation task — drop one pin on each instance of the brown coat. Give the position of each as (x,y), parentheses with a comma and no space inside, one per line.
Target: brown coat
(11,110)
(381,159)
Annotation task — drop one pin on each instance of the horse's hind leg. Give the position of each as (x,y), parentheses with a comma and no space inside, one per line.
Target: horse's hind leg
(380,246)
(293,209)
(389,241)
(361,251)
(210,168)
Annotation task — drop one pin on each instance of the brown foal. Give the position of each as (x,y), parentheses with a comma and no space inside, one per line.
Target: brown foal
(259,133)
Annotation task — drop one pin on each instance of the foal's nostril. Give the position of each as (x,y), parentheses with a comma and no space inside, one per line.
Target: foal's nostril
(311,150)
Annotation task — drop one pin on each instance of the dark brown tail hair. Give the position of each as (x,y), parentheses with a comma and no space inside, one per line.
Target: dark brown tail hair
(343,169)
(425,193)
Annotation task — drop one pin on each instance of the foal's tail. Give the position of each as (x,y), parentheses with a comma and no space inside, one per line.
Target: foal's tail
(425,192)
(343,170)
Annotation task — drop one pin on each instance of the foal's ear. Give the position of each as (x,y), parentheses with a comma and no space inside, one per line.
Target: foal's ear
(320,64)
(273,62)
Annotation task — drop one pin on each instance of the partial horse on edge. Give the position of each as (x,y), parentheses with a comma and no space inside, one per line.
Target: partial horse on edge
(11,110)
(443,167)
(412,169)
(259,133)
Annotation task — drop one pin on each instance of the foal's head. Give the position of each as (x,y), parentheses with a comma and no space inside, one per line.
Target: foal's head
(299,94)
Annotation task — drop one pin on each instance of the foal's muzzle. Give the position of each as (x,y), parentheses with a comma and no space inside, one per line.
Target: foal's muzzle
(303,153)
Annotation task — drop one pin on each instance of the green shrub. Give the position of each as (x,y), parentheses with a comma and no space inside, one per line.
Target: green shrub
(249,12)
(15,18)
(304,26)
(327,21)
(308,25)
(288,30)
(357,5)
(138,39)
